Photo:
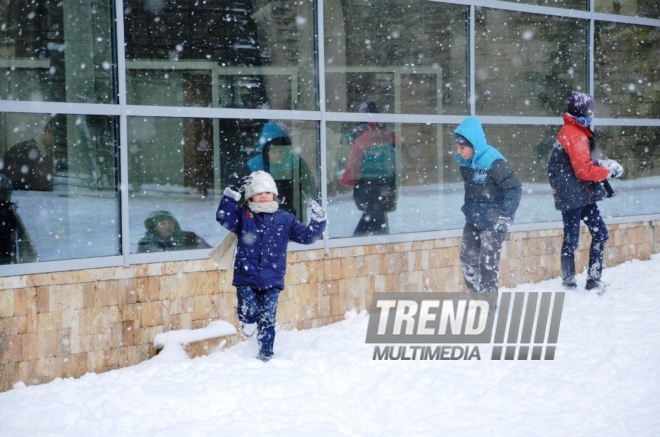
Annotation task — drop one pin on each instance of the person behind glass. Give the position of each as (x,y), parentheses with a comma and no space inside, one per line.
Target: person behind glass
(371,171)
(577,182)
(263,231)
(29,164)
(15,243)
(492,196)
(294,180)
(163,233)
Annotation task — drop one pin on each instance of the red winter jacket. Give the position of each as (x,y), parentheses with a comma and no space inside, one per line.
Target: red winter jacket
(575,139)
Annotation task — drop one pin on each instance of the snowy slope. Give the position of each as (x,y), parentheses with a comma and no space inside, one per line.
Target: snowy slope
(604,381)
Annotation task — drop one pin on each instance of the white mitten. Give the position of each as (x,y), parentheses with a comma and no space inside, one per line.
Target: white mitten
(318,213)
(615,169)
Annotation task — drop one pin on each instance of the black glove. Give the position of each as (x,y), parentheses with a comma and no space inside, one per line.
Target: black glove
(239,186)
(502,224)
(318,214)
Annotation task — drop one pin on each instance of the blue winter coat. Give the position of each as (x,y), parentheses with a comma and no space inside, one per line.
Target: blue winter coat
(492,189)
(262,242)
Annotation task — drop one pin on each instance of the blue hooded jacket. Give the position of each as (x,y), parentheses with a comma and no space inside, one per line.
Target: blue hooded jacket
(262,242)
(271,131)
(492,189)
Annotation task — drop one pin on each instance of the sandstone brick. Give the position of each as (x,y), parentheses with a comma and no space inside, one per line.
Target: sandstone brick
(11,348)
(30,345)
(6,303)
(348,268)
(151,313)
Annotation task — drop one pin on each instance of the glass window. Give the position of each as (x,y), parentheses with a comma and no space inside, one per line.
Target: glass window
(179,168)
(527,149)
(50,53)
(408,56)
(391,179)
(64,199)
(526,64)
(638,151)
(635,8)
(241,54)
(626,71)
(569,4)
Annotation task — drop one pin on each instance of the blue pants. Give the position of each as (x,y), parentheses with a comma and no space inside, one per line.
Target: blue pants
(259,306)
(590,214)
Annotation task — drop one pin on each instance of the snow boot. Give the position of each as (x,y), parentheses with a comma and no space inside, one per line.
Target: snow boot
(595,284)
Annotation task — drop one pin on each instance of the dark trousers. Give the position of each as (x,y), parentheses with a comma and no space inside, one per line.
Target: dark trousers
(372,222)
(375,198)
(259,306)
(480,258)
(590,214)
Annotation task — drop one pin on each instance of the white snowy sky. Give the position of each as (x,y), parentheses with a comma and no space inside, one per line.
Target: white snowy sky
(604,381)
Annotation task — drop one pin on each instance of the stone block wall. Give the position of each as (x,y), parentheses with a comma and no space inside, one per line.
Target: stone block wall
(65,324)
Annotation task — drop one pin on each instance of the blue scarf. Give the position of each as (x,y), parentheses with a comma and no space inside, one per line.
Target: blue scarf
(584,121)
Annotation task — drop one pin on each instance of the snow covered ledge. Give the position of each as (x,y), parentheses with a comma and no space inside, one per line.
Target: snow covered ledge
(172,344)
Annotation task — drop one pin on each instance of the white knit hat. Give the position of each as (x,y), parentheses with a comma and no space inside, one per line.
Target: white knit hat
(262,182)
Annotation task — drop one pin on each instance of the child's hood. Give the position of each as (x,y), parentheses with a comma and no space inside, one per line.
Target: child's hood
(484,154)
(271,131)
(157,216)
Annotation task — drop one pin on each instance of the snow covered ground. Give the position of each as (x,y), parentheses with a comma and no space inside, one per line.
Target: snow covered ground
(604,381)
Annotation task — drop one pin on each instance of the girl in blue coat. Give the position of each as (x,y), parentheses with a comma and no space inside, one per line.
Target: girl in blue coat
(263,232)
(492,196)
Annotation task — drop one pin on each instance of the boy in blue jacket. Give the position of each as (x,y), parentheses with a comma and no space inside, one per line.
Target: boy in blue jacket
(263,232)
(492,196)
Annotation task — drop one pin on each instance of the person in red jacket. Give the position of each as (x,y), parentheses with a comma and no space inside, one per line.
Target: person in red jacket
(371,171)
(577,184)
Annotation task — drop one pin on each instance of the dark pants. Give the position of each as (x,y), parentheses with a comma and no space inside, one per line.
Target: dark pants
(372,222)
(259,306)
(375,198)
(590,214)
(480,258)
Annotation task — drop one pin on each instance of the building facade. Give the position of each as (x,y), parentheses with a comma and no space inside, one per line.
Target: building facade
(140,106)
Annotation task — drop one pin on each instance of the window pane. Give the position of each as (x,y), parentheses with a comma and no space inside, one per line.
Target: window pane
(49,53)
(635,8)
(638,151)
(569,4)
(179,167)
(526,64)
(247,54)
(421,195)
(527,149)
(65,192)
(410,57)
(626,71)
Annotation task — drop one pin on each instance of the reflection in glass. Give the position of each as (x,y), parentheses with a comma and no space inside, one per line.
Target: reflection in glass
(638,8)
(410,57)
(526,64)
(638,151)
(63,173)
(425,177)
(47,53)
(568,4)
(228,54)
(626,71)
(181,166)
